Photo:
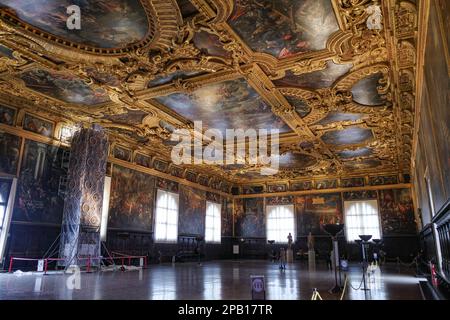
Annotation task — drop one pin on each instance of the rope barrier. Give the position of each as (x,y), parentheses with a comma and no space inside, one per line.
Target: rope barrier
(345,287)
(88,259)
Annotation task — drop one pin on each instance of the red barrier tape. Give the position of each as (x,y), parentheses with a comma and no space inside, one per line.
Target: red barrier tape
(89,258)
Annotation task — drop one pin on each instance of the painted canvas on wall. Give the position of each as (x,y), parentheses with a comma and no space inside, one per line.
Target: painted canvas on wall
(38,125)
(104,23)
(397,212)
(9,153)
(143,160)
(191,219)
(42,184)
(437,80)
(352,182)
(7,115)
(314,210)
(131,200)
(227,217)
(382,180)
(251,222)
(122,153)
(168,185)
(360,195)
(284,28)
(301,185)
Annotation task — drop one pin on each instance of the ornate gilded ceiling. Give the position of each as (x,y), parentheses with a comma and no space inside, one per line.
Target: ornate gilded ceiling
(341,94)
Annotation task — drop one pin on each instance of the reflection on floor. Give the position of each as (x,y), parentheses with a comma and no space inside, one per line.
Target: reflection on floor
(212,280)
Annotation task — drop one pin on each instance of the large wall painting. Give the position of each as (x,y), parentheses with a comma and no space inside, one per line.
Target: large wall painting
(397,212)
(42,184)
(37,125)
(9,153)
(315,210)
(286,27)
(131,200)
(251,222)
(104,23)
(227,217)
(191,218)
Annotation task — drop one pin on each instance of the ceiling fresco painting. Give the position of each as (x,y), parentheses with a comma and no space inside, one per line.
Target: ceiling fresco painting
(187,8)
(300,106)
(286,27)
(347,136)
(360,152)
(63,87)
(143,68)
(177,75)
(131,117)
(363,164)
(317,79)
(4,51)
(296,160)
(339,116)
(217,105)
(365,91)
(105,23)
(210,44)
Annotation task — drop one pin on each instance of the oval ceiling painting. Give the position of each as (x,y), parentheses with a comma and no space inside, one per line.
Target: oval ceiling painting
(103,23)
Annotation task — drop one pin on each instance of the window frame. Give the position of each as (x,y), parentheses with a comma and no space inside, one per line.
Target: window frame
(166,240)
(378,215)
(4,202)
(211,203)
(294,223)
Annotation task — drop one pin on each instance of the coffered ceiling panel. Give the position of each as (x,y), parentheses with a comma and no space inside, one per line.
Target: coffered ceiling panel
(64,87)
(347,136)
(315,80)
(285,27)
(357,153)
(106,23)
(218,104)
(365,91)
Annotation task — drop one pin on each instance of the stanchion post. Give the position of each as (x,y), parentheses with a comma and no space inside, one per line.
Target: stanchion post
(45,266)
(11,259)
(145,262)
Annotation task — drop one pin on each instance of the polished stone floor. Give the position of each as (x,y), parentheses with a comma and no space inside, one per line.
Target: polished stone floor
(212,280)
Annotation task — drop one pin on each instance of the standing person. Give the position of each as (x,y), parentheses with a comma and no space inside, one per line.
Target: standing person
(282,259)
(328,259)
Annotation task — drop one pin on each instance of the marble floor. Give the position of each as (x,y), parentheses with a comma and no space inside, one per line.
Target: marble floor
(226,280)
